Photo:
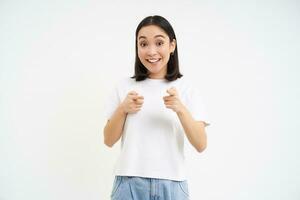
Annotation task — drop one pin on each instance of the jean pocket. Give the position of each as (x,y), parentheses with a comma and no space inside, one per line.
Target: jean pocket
(116,185)
(184,187)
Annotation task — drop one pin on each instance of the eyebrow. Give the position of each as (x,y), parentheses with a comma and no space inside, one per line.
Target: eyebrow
(144,37)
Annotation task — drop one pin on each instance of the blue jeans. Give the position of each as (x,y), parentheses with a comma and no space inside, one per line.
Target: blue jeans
(140,188)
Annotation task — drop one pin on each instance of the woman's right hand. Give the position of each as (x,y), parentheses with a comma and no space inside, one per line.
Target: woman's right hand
(132,103)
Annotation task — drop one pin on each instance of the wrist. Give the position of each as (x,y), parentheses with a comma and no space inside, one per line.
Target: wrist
(122,109)
(181,111)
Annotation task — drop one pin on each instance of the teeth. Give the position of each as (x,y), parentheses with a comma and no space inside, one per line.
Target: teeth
(153,60)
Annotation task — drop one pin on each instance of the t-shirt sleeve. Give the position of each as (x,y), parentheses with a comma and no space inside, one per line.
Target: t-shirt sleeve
(197,107)
(112,101)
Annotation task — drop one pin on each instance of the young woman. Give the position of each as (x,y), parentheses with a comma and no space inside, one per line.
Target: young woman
(153,112)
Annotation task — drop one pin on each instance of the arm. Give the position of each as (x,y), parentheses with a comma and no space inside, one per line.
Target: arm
(194,130)
(114,127)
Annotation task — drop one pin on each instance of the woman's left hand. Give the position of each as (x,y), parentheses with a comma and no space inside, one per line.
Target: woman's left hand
(172,101)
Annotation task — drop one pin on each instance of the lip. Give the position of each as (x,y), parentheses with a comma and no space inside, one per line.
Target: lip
(157,60)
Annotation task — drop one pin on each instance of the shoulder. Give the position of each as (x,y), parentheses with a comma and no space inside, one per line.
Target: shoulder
(186,86)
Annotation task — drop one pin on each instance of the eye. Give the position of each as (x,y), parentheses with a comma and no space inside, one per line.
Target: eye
(143,44)
(160,43)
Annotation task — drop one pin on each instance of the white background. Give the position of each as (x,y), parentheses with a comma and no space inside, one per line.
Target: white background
(59,59)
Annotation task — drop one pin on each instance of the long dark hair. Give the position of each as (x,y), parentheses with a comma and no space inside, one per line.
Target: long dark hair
(140,71)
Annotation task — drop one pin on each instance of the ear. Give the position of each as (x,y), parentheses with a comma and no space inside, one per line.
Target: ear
(173,45)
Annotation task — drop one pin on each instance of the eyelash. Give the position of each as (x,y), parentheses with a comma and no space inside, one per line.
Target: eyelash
(158,43)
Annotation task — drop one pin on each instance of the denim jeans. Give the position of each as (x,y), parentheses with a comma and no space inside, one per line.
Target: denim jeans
(140,188)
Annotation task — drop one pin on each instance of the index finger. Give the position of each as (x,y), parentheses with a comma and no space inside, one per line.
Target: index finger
(132,92)
(172,91)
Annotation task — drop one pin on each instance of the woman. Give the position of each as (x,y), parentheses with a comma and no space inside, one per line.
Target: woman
(152,112)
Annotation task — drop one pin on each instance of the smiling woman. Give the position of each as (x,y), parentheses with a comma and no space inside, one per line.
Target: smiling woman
(153,112)
(154,50)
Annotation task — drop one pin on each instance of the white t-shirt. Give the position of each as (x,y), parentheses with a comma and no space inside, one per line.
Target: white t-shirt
(153,139)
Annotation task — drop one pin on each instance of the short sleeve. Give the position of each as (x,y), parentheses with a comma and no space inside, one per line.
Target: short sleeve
(196,106)
(111,103)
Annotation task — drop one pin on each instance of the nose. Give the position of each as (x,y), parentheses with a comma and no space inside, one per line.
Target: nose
(151,51)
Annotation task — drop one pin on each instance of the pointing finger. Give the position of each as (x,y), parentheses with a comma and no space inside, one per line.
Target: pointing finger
(133,92)
(172,91)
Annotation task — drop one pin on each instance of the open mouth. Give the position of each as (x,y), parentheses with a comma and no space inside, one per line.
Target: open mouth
(153,60)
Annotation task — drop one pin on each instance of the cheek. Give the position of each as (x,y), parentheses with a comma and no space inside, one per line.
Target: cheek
(165,52)
(166,56)
(141,54)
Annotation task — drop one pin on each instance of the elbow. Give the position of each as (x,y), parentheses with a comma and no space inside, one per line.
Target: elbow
(201,142)
(201,148)
(107,142)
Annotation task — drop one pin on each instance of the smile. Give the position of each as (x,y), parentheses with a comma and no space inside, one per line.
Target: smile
(153,60)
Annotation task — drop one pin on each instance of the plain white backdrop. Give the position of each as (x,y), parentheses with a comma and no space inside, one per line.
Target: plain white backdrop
(59,60)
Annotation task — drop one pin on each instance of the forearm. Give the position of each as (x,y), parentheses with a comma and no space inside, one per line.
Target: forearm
(195,131)
(114,128)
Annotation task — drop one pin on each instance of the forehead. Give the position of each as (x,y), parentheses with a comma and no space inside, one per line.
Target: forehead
(151,31)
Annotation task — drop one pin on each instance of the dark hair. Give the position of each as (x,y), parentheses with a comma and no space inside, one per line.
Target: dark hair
(140,71)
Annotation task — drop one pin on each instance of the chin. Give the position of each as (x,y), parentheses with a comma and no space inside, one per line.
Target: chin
(154,72)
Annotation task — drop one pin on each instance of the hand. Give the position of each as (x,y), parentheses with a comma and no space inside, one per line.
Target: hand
(172,101)
(132,103)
